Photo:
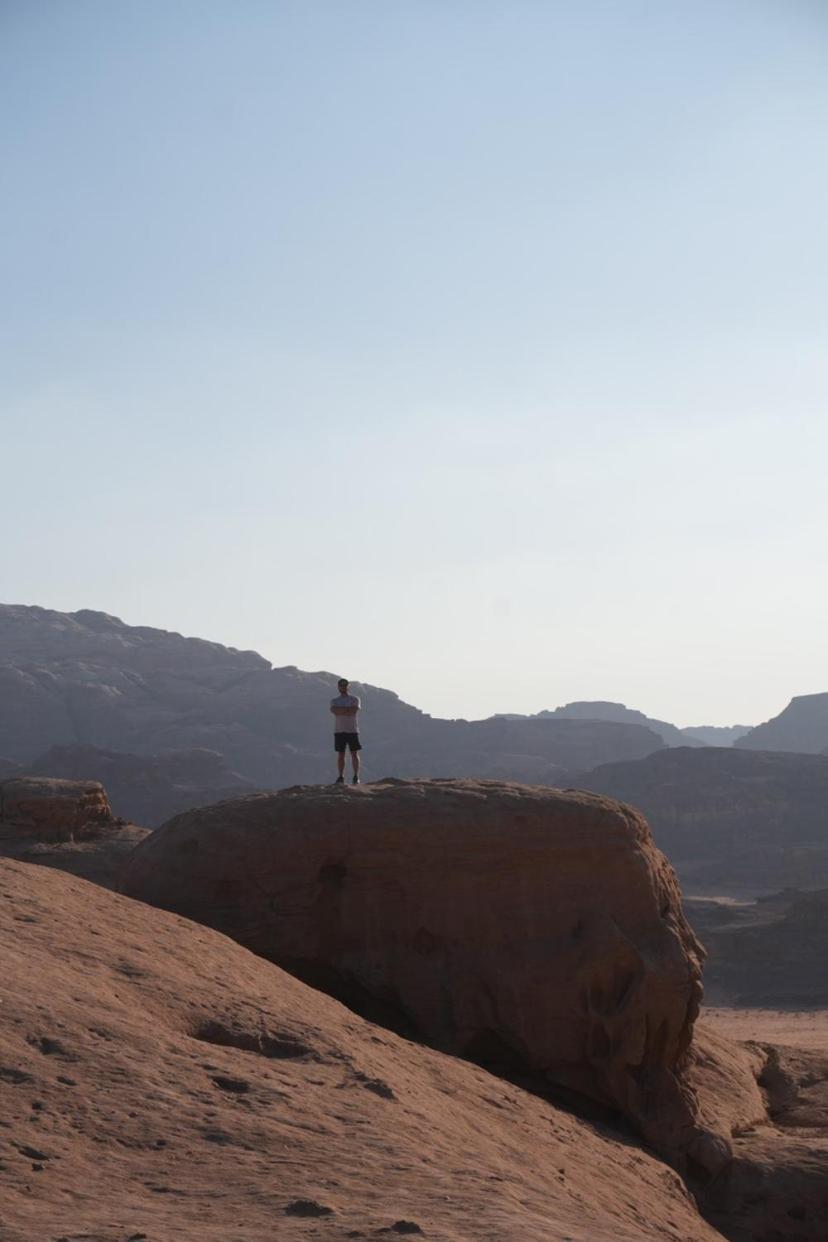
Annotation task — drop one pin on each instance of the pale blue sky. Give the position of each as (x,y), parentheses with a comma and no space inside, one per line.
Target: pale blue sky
(477,350)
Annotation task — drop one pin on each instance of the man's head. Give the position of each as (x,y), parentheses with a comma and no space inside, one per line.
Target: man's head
(343,685)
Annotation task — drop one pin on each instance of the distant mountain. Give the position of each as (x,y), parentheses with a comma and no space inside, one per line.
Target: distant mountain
(86,679)
(727,818)
(716,735)
(802,726)
(600,710)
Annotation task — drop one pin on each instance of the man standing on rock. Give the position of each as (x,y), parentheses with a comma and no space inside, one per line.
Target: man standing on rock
(345,708)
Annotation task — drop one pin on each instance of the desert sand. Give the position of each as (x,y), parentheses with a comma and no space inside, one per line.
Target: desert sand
(794,1029)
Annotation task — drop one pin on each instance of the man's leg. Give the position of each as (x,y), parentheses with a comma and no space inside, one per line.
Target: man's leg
(354,761)
(340,761)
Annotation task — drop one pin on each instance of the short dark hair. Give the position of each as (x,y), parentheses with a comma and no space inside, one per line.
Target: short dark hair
(343,681)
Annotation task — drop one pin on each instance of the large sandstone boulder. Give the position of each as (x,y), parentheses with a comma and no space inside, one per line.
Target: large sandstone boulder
(501,922)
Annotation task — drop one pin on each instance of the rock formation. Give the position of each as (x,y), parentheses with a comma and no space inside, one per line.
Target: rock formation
(147,789)
(730,819)
(512,925)
(598,710)
(54,810)
(86,679)
(158,1082)
(802,726)
(768,953)
(65,824)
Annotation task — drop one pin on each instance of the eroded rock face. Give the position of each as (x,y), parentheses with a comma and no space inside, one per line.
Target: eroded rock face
(53,810)
(502,922)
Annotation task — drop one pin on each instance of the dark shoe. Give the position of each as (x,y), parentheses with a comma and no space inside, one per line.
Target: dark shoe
(355,781)
(340,780)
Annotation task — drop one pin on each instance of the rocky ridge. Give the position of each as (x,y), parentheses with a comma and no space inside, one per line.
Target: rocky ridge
(86,679)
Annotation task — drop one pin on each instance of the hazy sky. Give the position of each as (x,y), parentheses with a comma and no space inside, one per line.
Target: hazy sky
(473,349)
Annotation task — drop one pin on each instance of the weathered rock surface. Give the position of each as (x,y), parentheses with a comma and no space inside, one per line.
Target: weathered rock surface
(730,819)
(87,679)
(159,1082)
(505,923)
(65,824)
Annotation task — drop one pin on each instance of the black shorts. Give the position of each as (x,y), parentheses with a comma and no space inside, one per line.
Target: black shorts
(343,740)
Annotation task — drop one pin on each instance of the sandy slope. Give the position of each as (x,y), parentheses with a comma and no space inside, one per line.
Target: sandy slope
(160,1083)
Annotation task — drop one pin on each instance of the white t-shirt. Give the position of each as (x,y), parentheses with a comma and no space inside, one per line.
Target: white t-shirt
(346,724)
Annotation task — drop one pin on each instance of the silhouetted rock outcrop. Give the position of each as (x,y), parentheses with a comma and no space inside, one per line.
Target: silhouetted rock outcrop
(802,726)
(730,818)
(509,924)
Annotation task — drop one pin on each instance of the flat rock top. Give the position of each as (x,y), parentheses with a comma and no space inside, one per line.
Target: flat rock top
(22,787)
(157,1079)
(434,805)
